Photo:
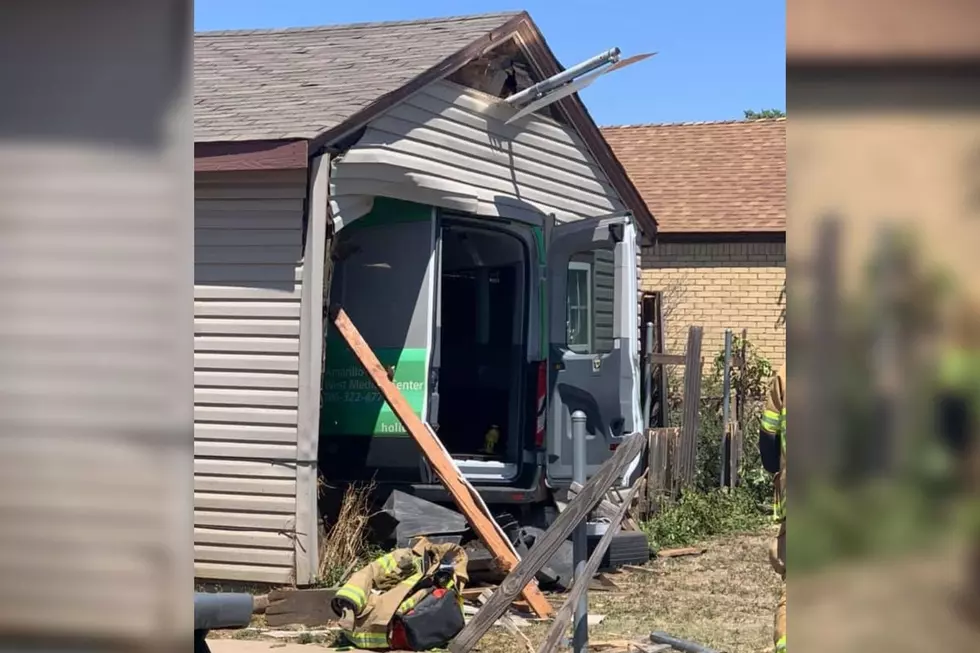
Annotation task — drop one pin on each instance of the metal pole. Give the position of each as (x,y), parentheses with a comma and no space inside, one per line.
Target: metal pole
(648,376)
(679,644)
(580,543)
(726,392)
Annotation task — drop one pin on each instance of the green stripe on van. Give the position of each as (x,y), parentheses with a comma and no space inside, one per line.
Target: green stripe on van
(387,211)
(352,404)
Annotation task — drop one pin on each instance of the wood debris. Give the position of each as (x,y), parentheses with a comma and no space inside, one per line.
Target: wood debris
(684,551)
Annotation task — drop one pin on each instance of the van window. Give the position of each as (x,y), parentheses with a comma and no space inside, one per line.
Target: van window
(580,306)
(589,302)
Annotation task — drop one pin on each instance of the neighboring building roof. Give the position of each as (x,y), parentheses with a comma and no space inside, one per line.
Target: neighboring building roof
(882,31)
(708,177)
(298,83)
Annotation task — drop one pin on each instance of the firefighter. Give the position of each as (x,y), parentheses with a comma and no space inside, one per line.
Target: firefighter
(409,599)
(772,449)
(959,419)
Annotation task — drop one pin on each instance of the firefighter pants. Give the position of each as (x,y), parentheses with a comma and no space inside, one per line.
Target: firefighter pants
(777,557)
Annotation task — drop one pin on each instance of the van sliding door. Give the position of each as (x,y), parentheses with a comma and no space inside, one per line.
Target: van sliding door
(384,278)
(593,325)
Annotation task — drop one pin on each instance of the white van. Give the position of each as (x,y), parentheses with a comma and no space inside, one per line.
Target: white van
(485,324)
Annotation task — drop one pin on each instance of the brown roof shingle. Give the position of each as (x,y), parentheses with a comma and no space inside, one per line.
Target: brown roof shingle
(708,177)
(298,83)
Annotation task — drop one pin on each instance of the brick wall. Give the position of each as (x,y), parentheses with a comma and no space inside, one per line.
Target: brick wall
(720,285)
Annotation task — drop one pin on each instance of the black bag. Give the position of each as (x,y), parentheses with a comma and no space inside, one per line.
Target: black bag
(433,622)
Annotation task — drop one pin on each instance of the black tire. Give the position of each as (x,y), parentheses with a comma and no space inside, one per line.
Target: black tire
(626,548)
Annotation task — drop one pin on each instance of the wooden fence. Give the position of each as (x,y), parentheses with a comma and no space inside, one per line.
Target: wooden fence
(673,450)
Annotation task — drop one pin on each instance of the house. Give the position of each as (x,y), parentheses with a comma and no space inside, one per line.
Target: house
(300,132)
(718,191)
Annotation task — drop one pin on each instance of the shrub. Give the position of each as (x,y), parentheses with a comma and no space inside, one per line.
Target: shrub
(699,515)
(704,510)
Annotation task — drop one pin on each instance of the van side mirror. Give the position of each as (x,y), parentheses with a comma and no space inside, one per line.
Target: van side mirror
(616,232)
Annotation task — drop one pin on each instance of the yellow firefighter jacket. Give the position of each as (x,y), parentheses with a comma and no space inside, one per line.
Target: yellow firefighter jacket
(774,423)
(383,589)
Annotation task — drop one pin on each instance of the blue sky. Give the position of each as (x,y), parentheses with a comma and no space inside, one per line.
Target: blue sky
(715,58)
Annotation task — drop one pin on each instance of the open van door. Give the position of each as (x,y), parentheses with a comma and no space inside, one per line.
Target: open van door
(593,353)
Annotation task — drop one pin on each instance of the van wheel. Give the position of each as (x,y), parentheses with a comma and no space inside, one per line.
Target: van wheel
(509,524)
(543,515)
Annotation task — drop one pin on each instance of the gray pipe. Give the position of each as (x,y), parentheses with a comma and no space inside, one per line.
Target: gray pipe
(679,644)
(580,541)
(224,610)
(539,89)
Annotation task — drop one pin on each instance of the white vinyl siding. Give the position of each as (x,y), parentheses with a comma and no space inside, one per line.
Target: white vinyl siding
(247,282)
(448,146)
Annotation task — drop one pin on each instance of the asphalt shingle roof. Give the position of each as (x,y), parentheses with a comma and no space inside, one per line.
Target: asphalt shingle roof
(298,83)
(708,177)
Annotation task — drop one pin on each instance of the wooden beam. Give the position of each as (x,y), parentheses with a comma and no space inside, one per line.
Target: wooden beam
(581,584)
(545,546)
(668,359)
(306,607)
(692,405)
(481,521)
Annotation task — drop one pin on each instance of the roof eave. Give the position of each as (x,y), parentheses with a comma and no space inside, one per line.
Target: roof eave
(258,155)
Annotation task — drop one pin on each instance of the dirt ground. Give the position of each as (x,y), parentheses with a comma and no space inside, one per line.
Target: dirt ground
(723,599)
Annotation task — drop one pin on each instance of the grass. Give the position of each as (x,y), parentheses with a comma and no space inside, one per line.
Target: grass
(723,599)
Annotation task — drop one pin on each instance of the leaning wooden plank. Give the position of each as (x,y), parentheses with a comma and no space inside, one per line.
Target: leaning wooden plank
(581,584)
(545,546)
(472,508)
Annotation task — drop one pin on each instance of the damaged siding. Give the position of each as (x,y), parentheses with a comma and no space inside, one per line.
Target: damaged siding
(248,267)
(448,146)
